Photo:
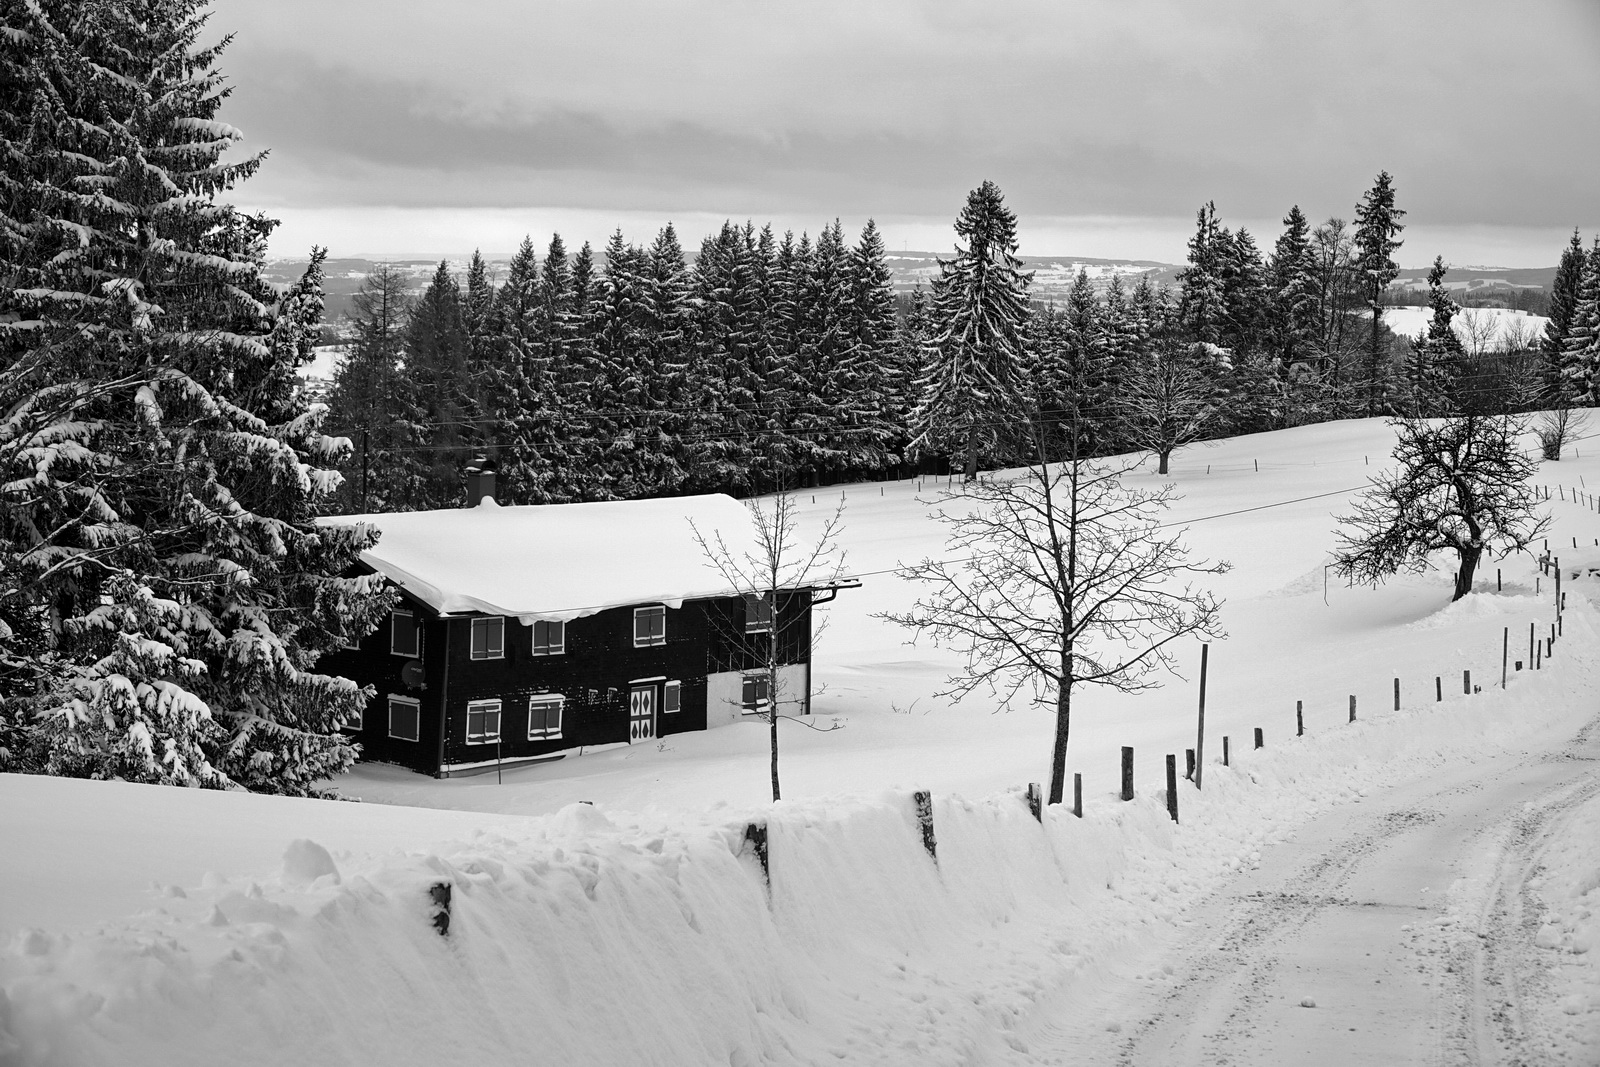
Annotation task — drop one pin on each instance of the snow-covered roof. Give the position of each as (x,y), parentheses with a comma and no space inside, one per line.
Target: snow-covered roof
(556,561)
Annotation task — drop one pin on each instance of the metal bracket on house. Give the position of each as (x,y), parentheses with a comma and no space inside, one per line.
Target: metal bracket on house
(528,633)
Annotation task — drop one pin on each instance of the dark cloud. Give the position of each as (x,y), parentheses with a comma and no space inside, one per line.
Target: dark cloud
(1484,113)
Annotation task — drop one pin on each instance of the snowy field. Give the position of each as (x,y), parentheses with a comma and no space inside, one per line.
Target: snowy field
(638,928)
(1499,324)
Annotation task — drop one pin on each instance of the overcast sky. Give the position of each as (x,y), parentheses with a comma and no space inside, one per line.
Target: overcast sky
(402,125)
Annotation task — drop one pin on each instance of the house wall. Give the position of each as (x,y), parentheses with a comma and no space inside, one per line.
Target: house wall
(594,675)
(373,664)
(725,693)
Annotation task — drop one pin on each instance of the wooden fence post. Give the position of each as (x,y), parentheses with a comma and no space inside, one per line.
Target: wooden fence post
(1035,799)
(1188,759)
(1127,772)
(1299,718)
(1224,750)
(924,801)
(1260,743)
(1352,707)
(1438,688)
(755,835)
(1077,795)
(439,894)
(1505,654)
(1466,682)
(1172,786)
(1397,694)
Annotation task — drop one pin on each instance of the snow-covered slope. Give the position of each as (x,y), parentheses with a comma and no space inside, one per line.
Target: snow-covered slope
(152,925)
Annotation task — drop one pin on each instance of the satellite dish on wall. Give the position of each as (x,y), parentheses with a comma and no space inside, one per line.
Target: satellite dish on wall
(411,674)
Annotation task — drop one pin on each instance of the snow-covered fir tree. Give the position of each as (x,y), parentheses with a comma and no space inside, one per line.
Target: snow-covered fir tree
(1580,353)
(373,402)
(1438,355)
(867,370)
(1563,304)
(164,579)
(448,412)
(1292,308)
(971,389)
(1376,240)
(1202,303)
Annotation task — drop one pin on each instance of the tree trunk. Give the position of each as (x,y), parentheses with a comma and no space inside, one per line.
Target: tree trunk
(1058,754)
(1469,566)
(970,474)
(1162,457)
(774,717)
(772,684)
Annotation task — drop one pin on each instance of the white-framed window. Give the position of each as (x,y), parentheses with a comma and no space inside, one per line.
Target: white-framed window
(346,641)
(405,718)
(757,688)
(671,697)
(357,719)
(649,626)
(405,634)
(489,638)
(757,613)
(549,638)
(544,716)
(483,722)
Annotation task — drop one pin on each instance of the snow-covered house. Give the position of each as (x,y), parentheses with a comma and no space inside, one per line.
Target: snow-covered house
(526,632)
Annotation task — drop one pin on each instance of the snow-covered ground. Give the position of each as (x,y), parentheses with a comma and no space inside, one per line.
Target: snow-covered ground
(1495,325)
(160,925)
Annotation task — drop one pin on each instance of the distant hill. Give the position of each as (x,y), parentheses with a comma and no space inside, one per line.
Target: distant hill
(1474,278)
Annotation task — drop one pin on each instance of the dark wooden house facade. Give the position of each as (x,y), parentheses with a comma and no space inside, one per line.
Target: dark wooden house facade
(482,664)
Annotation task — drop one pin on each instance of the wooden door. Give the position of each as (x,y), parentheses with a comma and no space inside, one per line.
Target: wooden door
(641,713)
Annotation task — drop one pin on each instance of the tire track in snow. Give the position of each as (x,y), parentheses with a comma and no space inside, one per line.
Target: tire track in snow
(1502,981)
(1352,916)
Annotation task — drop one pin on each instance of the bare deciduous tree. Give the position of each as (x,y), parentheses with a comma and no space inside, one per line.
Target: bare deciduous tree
(771,565)
(1061,577)
(1171,397)
(1557,428)
(1461,486)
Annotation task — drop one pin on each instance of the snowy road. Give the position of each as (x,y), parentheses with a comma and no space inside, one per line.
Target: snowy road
(1398,930)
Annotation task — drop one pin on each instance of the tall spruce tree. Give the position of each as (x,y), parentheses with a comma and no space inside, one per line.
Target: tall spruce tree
(971,392)
(447,414)
(373,402)
(1580,354)
(1563,303)
(1376,240)
(164,590)
(1438,354)
(1202,303)
(1292,309)
(868,364)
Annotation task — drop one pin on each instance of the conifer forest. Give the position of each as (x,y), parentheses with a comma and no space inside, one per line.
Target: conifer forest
(772,361)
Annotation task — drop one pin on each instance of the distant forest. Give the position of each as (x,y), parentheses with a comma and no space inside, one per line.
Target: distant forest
(775,362)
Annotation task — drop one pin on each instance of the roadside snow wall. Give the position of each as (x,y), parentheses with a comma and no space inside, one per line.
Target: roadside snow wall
(596,939)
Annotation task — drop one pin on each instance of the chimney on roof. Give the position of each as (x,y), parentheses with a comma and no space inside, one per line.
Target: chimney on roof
(480,481)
